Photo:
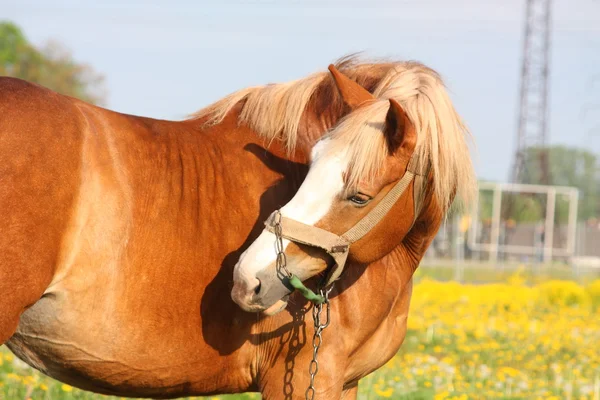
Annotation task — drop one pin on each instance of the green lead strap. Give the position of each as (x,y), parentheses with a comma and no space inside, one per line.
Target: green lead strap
(306,292)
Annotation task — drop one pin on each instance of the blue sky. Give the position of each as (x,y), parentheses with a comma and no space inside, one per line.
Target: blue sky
(166,59)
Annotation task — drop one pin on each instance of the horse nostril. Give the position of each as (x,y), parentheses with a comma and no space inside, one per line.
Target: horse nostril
(257,288)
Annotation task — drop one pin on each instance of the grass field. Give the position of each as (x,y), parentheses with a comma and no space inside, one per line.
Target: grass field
(507,335)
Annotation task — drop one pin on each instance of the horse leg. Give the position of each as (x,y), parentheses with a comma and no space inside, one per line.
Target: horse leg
(298,393)
(29,250)
(291,384)
(20,289)
(30,242)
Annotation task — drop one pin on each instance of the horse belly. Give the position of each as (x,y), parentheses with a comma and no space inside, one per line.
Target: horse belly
(86,350)
(68,345)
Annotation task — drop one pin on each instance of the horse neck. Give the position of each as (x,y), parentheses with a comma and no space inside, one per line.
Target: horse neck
(239,144)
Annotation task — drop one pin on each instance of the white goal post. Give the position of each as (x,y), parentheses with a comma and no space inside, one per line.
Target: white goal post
(549,250)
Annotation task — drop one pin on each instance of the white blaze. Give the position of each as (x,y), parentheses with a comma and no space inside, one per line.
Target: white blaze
(311,203)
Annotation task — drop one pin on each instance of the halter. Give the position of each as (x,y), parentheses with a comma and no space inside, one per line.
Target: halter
(338,246)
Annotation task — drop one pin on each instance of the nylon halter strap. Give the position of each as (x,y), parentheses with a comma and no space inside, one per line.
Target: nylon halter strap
(338,246)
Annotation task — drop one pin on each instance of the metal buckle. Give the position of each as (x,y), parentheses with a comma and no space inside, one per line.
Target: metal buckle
(342,248)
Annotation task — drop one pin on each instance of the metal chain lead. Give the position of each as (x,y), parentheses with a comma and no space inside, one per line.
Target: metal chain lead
(313,367)
(281,261)
(281,264)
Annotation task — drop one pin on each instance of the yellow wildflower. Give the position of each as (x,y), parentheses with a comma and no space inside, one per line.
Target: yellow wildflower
(385,393)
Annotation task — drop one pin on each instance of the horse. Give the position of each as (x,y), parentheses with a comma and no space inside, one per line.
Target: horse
(138,256)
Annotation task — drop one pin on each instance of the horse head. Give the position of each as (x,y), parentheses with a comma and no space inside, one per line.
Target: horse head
(360,197)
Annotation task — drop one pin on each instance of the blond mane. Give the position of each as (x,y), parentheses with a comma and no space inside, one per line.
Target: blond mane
(275,111)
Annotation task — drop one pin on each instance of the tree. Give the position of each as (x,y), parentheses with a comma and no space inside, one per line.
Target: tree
(569,167)
(51,66)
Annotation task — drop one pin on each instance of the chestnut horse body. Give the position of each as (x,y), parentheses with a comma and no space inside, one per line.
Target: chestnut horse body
(120,235)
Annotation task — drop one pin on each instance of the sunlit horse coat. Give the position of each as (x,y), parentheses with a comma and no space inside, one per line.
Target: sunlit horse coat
(119,235)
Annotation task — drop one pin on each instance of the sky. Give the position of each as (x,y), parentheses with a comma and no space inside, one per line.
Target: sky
(167,59)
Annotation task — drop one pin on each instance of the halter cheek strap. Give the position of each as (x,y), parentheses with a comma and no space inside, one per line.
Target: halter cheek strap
(338,246)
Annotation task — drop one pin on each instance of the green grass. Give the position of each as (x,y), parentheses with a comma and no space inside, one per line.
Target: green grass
(474,272)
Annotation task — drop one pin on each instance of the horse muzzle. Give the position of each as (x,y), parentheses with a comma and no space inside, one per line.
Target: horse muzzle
(267,298)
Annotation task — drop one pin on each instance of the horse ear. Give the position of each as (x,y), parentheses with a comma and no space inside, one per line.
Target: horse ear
(353,94)
(400,132)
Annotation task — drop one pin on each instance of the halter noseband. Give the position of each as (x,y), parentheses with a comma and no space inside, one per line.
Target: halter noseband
(338,246)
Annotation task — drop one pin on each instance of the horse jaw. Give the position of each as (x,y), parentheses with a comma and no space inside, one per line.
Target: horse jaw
(276,308)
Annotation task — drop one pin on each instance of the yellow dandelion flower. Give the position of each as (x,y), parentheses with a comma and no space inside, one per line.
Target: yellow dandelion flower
(441,396)
(13,376)
(66,388)
(385,393)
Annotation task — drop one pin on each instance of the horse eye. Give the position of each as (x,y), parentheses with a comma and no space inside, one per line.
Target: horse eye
(359,199)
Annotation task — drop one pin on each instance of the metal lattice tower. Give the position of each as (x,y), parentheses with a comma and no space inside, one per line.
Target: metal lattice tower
(533,111)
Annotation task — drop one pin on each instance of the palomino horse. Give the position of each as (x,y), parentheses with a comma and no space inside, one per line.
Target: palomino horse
(120,233)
